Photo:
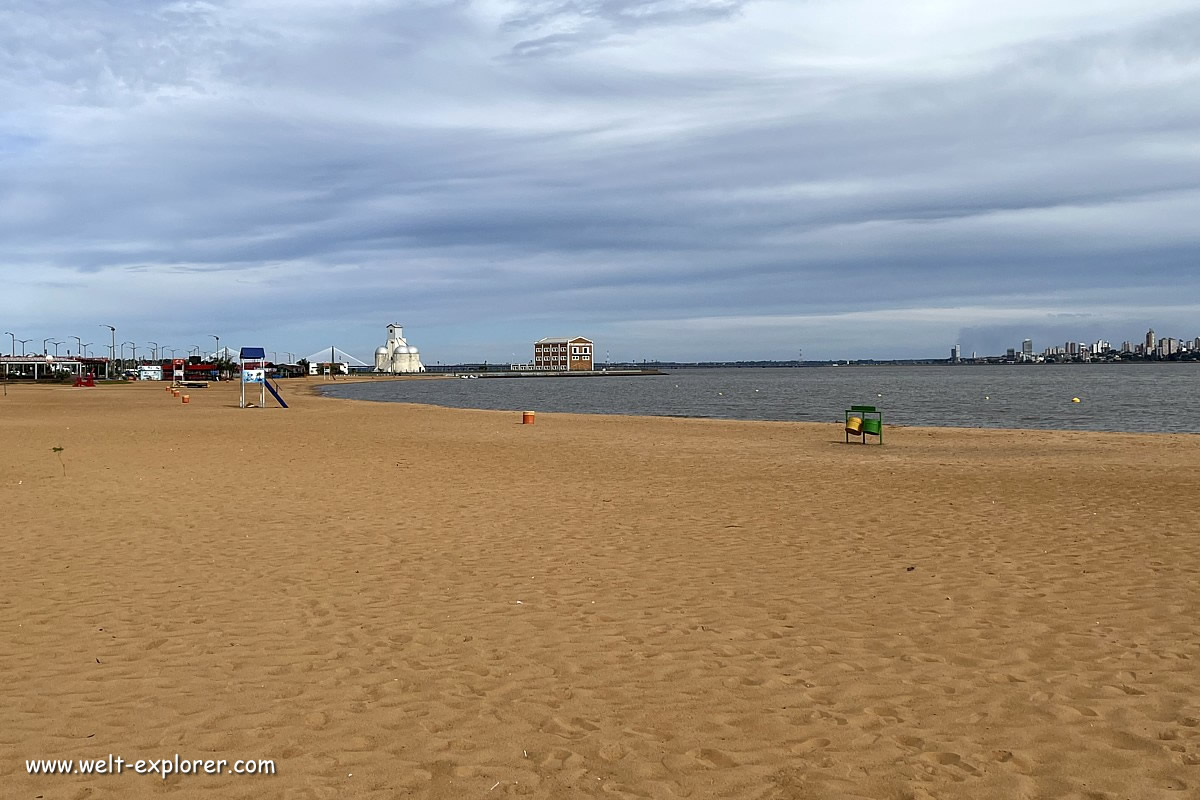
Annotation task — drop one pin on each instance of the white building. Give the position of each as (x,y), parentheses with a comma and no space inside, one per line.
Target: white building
(397,356)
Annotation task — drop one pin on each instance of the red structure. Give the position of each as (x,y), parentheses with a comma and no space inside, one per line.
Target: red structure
(192,371)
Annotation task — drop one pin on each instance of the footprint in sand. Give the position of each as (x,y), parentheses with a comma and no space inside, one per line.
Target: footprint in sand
(886,713)
(575,728)
(713,759)
(951,760)
(561,758)
(810,746)
(612,751)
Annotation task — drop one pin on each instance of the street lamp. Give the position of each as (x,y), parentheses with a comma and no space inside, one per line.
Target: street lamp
(291,358)
(217,355)
(78,346)
(112,350)
(12,352)
(45,348)
(23,343)
(85,346)
(56,343)
(154,350)
(195,347)
(172,349)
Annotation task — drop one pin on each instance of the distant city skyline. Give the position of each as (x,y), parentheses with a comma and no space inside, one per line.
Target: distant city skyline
(1151,346)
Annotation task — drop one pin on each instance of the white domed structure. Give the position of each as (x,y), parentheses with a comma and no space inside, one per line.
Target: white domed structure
(397,356)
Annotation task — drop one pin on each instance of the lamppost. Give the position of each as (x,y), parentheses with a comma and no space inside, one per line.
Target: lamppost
(13,351)
(154,350)
(173,351)
(291,358)
(274,356)
(195,347)
(85,346)
(56,343)
(217,355)
(45,348)
(133,350)
(123,353)
(78,346)
(23,343)
(112,350)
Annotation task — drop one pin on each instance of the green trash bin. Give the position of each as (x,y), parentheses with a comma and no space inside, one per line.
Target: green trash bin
(864,420)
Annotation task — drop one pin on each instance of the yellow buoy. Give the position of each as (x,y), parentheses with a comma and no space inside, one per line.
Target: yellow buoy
(1076,400)
(854,426)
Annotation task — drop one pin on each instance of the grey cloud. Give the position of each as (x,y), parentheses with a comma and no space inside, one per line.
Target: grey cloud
(577,23)
(387,158)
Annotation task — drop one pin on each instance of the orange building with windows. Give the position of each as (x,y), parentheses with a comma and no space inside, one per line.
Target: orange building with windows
(565,354)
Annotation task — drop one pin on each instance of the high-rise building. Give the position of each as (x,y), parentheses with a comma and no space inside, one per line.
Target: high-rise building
(1027,348)
(956,353)
(1151,342)
(1126,347)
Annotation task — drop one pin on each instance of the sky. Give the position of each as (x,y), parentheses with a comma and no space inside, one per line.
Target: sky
(675,179)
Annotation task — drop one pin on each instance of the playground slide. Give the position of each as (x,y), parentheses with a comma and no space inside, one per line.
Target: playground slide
(274,393)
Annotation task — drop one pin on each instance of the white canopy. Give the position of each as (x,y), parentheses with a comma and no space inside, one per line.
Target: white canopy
(323,356)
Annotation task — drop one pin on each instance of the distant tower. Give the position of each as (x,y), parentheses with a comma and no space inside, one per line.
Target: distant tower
(956,354)
(397,355)
(1151,341)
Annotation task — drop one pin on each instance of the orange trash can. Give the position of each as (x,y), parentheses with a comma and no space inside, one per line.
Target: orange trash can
(526,417)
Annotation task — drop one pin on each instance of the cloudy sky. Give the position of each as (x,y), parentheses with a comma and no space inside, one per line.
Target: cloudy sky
(677,179)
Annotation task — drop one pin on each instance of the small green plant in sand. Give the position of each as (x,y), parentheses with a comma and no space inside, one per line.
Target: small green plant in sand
(58,452)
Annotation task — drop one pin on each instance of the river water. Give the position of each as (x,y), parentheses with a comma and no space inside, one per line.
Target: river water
(1114,397)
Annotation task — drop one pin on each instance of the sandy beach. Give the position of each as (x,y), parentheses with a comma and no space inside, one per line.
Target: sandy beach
(404,601)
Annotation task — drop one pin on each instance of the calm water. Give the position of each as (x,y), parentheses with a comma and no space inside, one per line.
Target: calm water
(1129,397)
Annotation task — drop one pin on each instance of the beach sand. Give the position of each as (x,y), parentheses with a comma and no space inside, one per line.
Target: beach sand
(404,601)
